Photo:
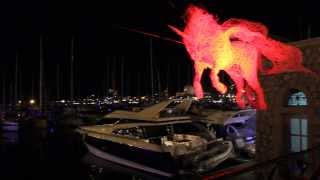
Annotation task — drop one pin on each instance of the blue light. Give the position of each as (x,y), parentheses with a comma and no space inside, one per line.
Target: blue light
(249,138)
(51,130)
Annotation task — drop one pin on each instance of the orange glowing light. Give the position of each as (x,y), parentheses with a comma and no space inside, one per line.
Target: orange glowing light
(235,46)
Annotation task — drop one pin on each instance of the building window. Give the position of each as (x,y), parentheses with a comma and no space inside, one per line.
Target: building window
(298,134)
(297,98)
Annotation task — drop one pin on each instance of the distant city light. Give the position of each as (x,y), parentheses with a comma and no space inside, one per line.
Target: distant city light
(32,101)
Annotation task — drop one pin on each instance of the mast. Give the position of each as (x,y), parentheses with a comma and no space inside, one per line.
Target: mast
(151,67)
(71,70)
(178,78)
(122,76)
(11,89)
(41,76)
(58,81)
(159,82)
(168,76)
(107,77)
(20,92)
(32,86)
(113,75)
(139,83)
(104,81)
(16,81)
(3,92)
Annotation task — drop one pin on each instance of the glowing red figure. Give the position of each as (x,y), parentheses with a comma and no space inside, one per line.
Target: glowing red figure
(235,46)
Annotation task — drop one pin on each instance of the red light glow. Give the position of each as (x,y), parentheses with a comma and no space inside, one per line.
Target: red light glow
(237,47)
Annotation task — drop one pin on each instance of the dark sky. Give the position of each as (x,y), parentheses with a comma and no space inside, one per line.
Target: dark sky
(100,45)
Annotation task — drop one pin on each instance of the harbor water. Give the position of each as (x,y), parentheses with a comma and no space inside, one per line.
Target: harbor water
(47,153)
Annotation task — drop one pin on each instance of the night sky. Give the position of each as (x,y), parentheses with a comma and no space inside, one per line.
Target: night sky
(100,46)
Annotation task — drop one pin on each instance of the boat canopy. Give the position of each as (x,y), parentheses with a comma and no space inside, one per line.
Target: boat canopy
(151,113)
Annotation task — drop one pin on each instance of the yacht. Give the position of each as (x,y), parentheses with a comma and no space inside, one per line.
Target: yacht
(158,140)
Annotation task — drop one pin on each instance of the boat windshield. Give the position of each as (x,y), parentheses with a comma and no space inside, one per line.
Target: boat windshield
(244,113)
(134,132)
(193,129)
(155,133)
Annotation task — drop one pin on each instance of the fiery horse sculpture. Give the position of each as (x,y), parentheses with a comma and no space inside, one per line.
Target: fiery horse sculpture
(235,46)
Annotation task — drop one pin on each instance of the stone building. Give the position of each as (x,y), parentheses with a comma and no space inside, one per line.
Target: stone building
(292,122)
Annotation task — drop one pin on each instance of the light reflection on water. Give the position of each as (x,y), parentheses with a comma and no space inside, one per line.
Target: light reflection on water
(10,137)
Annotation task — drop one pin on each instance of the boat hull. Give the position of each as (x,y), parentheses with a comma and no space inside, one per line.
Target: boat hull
(157,163)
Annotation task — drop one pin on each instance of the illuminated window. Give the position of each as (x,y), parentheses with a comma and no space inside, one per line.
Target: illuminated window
(298,134)
(297,98)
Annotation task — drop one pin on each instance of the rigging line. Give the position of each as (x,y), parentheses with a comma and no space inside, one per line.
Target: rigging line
(148,34)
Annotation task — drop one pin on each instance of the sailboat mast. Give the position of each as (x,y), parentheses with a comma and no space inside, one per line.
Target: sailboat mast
(122,76)
(58,82)
(16,81)
(3,92)
(71,70)
(20,94)
(159,82)
(113,75)
(139,83)
(32,86)
(107,76)
(41,76)
(151,67)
